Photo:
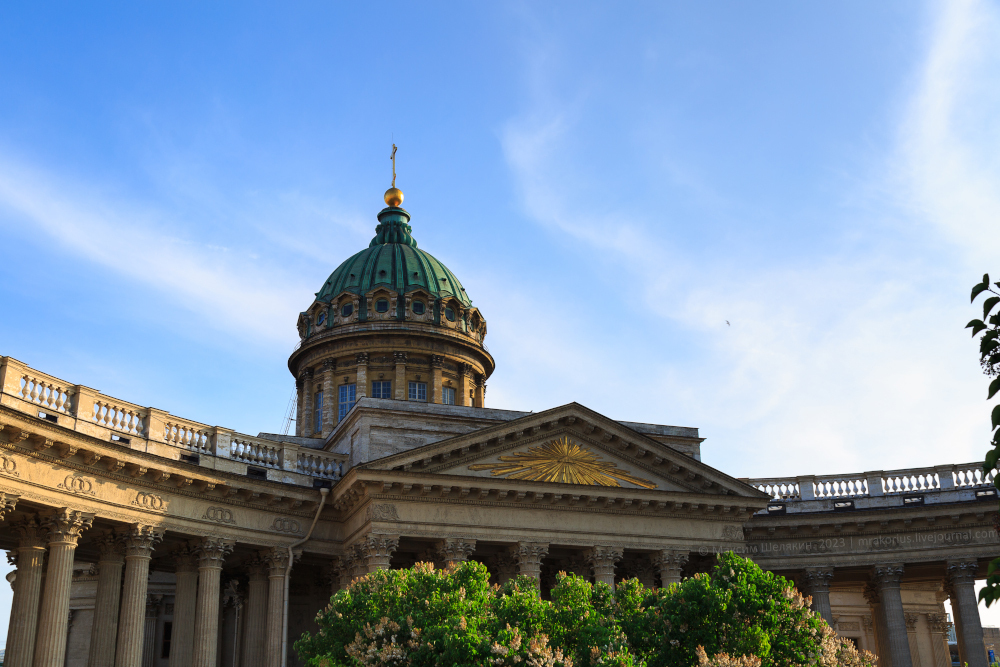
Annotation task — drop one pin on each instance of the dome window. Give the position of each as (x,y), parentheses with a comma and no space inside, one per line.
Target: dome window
(321,318)
(347,310)
(450,314)
(418,307)
(382,306)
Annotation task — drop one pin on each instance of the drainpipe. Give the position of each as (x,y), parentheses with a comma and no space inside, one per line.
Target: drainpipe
(288,575)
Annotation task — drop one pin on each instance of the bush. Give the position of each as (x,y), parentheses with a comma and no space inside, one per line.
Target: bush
(739,615)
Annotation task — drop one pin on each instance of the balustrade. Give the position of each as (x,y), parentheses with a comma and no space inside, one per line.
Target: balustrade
(317,465)
(47,392)
(254,451)
(120,416)
(196,437)
(778,489)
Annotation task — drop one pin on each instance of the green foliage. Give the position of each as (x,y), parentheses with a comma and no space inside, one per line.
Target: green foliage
(425,617)
(989,359)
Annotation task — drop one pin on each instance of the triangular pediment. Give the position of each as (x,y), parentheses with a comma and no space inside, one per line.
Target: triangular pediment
(568,445)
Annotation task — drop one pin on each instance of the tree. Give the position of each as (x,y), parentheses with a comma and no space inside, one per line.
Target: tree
(989,359)
(738,615)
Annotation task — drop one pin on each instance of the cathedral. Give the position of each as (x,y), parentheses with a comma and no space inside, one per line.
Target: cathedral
(143,539)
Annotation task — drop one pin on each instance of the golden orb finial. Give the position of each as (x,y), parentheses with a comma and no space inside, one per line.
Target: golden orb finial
(393,197)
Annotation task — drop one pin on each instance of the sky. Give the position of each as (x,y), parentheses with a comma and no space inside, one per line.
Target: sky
(759,219)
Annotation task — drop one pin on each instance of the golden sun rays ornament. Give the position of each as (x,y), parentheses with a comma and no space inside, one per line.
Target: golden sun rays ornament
(561,461)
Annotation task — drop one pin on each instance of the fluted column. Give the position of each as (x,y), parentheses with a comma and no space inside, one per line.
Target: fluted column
(817,584)
(139,542)
(939,627)
(277,563)
(233,604)
(452,551)
(668,562)
(376,551)
(602,560)
(887,580)
(211,552)
(149,630)
(65,527)
(968,627)
(529,557)
(104,629)
(329,397)
(255,623)
(185,605)
(32,538)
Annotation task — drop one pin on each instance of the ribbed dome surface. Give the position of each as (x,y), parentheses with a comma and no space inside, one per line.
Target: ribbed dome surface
(393,260)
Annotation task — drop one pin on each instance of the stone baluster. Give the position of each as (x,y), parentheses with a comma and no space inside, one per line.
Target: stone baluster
(104,629)
(32,538)
(309,392)
(277,563)
(185,605)
(65,528)
(816,582)
(255,623)
(887,581)
(149,630)
(139,543)
(329,396)
(454,550)
(968,628)
(939,627)
(376,551)
(602,560)
(668,562)
(211,552)
(401,391)
(503,567)
(437,363)
(529,557)
(362,380)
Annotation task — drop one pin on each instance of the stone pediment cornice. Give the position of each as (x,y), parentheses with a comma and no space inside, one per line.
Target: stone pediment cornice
(583,424)
(48,443)
(359,485)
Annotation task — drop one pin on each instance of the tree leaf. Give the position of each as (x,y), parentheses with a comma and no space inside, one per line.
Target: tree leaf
(994,388)
(978,289)
(976,325)
(991,460)
(996,416)
(987,347)
(988,305)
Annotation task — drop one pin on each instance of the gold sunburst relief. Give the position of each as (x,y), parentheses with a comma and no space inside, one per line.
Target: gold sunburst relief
(564,461)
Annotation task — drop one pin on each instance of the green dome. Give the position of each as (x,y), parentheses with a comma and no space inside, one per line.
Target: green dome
(392,260)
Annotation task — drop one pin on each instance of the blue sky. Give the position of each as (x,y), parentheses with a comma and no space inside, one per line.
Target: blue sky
(611,183)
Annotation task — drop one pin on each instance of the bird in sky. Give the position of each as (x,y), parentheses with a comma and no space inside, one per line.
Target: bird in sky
(728,324)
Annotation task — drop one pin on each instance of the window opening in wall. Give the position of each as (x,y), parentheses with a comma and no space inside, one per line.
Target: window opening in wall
(347,400)
(191,458)
(318,412)
(347,310)
(382,306)
(119,439)
(382,389)
(418,391)
(450,314)
(168,630)
(448,396)
(256,473)
(46,416)
(418,307)
(321,318)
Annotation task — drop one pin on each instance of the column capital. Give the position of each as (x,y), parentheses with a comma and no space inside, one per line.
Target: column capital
(139,540)
(211,551)
(962,571)
(399,357)
(67,525)
(455,549)
(938,623)
(276,560)
(377,550)
(603,556)
(670,557)
(31,533)
(437,361)
(185,559)
(870,593)
(111,547)
(817,578)
(911,621)
(153,605)
(361,358)
(8,501)
(887,576)
(530,551)
(256,568)
(232,596)
(330,365)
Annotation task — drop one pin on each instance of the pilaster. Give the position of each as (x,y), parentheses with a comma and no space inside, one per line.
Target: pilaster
(139,542)
(401,391)
(362,381)
(939,626)
(300,400)
(464,384)
(437,363)
(308,421)
(329,397)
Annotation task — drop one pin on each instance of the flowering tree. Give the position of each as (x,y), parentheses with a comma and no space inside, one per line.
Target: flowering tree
(739,615)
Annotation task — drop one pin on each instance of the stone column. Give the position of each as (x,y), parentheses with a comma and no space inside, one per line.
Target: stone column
(139,542)
(464,382)
(454,550)
(300,400)
(602,560)
(185,604)
(376,551)
(480,398)
(211,552)
(255,623)
(307,409)
(939,626)
(362,381)
(968,627)
(104,629)
(329,396)
(878,625)
(529,557)
(437,363)
(503,567)
(232,610)
(887,580)
(668,562)
(817,584)
(277,562)
(149,630)
(349,565)
(32,538)
(65,527)
(401,391)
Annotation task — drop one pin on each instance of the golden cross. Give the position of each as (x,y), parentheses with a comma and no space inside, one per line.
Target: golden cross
(393,158)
